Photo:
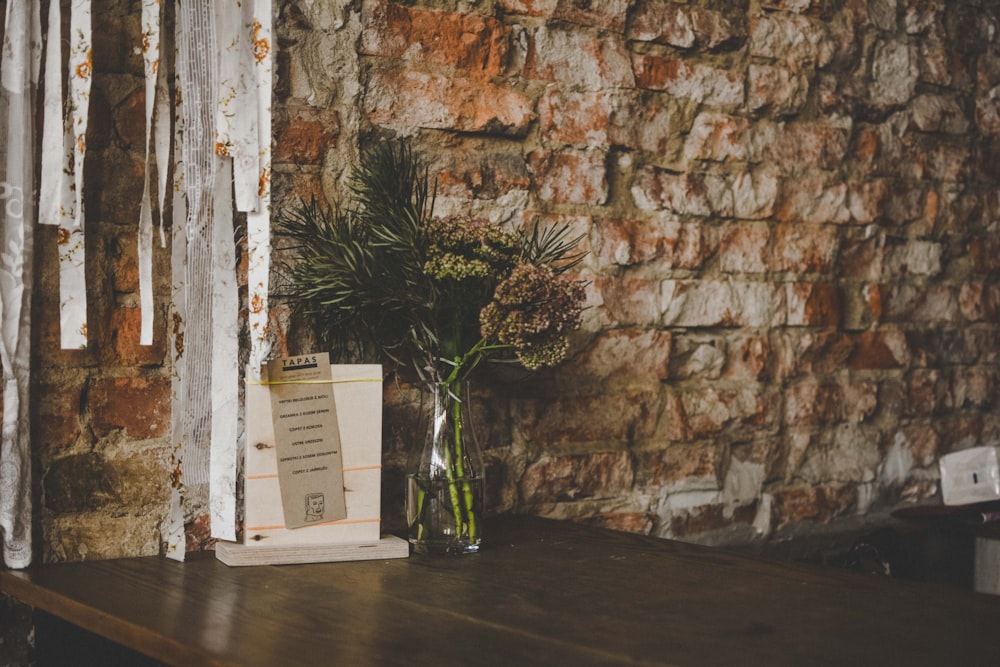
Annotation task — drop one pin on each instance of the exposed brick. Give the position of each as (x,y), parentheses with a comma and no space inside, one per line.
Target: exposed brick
(811,402)
(718,137)
(813,198)
(140,406)
(813,304)
(685,26)
(474,44)
(722,88)
(605,15)
(304,137)
(879,349)
(663,240)
(625,357)
(566,478)
(796,146)
(681,467)
(652,122)
(570,178)
(629,301)
(406,99)
(472,171)
(708,303)
(804,248)
(123,335)
(59,414)
(747,195)
(798,41)
(980,302)
(575,118)
(641,523)
(708,412)
(591,63)
(775,89)
(818,504)
(611,417)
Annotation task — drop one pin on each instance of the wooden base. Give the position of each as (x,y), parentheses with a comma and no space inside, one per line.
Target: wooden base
(234,554)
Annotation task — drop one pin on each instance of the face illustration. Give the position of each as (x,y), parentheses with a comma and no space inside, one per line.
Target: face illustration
(314,504)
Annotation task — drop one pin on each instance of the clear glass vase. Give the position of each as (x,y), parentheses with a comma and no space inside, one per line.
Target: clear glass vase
(444,482)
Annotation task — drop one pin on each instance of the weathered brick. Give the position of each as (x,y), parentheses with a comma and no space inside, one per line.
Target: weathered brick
(651,122)
(718,137)
(701,357)
(744,248)
(922,258)
(879,350)
(813,304)
(553,479)
(866,201)
(579,118)
(304,136)
(817,504)
(59,414)
(704,84)
(813,198)
(803,248)
(894,73)
(120,339)
(570,177)
(664,240)
(605,15)
(797,146)
(476,45)
(748,195)
(641,523)
(938,113)
(140,406)
(472,171)
(612,417)
(629,301)
(681,467)
(798,41)
(980,302)
(711,303)
(685,26)
(624,357)
(775,89)
(811,402)
(571,58)
(405,99)
(708,412)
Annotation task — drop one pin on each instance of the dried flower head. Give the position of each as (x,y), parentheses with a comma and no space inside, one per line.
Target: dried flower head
(464,247)
(532,311)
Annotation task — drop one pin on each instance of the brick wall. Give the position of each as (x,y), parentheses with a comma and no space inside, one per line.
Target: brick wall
(792,211)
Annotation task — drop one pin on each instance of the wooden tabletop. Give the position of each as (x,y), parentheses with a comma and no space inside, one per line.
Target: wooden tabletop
(539,593)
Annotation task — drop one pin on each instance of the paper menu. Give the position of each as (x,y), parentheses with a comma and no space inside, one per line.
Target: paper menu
(306,439)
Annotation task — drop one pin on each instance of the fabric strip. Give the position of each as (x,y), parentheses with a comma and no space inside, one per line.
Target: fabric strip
(151,65)
(18,74)
(225,356)
(258,221)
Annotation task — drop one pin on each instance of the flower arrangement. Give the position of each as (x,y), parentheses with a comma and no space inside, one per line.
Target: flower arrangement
(434,297)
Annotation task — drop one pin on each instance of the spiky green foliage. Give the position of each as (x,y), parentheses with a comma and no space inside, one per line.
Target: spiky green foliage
(385,272)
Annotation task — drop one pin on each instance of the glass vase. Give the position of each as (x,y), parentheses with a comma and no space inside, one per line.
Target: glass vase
(444,482)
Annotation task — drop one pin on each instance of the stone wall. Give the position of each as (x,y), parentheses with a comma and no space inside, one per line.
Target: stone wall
(791,208)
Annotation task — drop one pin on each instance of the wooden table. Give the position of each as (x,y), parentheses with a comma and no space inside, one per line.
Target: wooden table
(540,593)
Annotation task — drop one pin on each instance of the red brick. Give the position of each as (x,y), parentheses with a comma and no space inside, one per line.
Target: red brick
(58,411)
(476,45)
(140,406)
(403,100)
(120,339)
(570,177)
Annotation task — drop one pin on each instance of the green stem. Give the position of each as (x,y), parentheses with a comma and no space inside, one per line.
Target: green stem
(470,507)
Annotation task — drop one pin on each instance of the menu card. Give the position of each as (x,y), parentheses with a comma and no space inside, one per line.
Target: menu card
(306,439)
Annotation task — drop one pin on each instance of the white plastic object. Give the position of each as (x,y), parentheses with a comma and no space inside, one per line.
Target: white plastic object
(970,476)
